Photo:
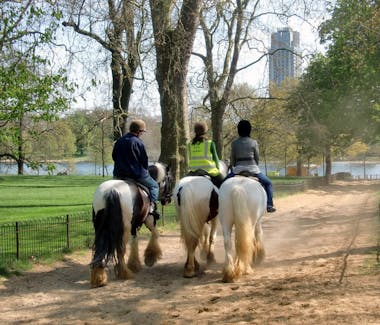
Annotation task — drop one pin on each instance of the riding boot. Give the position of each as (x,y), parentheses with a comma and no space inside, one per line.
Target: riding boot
(153,211)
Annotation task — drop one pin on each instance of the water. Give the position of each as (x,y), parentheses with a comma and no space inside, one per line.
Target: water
(78,168)
(356,169)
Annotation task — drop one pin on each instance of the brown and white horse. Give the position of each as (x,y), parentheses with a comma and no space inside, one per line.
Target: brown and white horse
(120,207)
(196,202)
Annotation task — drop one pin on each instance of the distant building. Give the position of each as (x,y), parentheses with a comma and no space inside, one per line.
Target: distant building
(285,60)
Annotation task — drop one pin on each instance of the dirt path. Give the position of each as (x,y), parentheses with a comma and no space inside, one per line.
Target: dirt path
(318,270)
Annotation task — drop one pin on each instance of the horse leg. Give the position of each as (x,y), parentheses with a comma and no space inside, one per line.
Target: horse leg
(191,265)
(259,252)
(153,251)
(211,239)
(122,271)
(203,241)
(98,277)
(134,263)
(229,274)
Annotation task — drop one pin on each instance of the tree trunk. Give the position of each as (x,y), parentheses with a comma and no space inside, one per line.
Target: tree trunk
(122,85)
(173,50)
(217,113)
(20,150)
(299,165)
(328,165)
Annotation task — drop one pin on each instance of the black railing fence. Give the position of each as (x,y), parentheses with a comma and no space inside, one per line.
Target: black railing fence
(40,237)
(32,239)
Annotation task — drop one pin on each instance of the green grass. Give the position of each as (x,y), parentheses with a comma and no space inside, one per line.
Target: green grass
(28,197)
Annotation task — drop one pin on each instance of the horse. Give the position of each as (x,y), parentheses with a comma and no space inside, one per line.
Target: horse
(196,203)
(119,209)
(242,202)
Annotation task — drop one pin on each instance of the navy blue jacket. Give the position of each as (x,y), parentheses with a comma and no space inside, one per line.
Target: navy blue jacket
(129,155)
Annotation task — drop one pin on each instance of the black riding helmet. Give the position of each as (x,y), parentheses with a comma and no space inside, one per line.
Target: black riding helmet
(244,128)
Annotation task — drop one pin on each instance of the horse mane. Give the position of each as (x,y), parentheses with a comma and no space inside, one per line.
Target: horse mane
(158,171)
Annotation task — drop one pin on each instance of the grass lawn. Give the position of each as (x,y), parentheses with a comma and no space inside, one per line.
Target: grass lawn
(30,197)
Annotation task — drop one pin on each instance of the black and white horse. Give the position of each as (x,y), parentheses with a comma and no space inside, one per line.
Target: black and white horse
(196,202)
(120,207)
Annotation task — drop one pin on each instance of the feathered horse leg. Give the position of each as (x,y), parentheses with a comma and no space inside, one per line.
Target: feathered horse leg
(211,241)
(122,271)
(153,250)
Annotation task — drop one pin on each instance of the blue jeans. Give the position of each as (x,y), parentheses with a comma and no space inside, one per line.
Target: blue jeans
(152,185)
(265,182)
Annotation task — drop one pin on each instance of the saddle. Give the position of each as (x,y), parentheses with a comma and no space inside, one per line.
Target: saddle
(198,172)
(141,205)
(246,173)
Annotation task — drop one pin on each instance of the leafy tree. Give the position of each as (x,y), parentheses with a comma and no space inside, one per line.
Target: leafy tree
(337,101)
(271,124)
(30,93)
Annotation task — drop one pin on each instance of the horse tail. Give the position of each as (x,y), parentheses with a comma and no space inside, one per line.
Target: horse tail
(244,232)
(109,229)
(192,219)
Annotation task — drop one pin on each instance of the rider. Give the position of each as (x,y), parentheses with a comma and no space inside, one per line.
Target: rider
(245,157)
(202,155)
(131,161)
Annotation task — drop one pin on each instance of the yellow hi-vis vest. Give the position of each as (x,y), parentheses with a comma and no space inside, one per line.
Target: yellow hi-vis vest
(200,157)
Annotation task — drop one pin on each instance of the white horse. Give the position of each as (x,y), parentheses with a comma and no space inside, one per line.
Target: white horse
(196,202)
(242,202)
(120,207)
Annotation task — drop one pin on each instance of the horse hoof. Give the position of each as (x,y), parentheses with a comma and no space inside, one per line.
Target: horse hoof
(211,259)
(149,261)
(98,277)
(189,275)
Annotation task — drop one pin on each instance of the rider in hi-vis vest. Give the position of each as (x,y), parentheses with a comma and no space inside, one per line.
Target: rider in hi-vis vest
(202,155)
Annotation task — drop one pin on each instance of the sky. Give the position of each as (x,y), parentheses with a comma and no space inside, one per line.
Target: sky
(89,97)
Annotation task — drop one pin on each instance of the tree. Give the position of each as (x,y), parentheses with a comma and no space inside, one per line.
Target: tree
(354,33)
(232,28)
(119,30)
(271,124)
(337,101)
(173,44)
(30,93)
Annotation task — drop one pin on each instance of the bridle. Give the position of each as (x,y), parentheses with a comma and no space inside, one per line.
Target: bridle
(166,188)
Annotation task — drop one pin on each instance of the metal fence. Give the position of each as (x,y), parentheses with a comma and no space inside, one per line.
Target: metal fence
(32,239)
(35,238)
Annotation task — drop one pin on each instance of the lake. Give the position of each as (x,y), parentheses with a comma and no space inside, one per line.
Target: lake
(356,169)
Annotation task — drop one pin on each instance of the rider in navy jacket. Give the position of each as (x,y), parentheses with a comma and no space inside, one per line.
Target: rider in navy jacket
(131,161)
(129,155)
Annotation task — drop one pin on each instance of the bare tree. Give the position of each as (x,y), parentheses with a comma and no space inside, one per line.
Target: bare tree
(119,30)
(173,43)
(231,28)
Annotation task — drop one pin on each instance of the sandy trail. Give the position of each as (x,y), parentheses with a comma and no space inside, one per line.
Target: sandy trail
(319,269)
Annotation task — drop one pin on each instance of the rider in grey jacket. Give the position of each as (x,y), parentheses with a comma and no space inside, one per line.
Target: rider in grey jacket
(245,158)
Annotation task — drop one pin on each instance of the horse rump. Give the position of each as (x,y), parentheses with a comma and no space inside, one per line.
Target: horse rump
(242,202)
(109,230)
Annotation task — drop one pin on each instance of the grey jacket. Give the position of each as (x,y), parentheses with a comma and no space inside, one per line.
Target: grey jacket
(245,155)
